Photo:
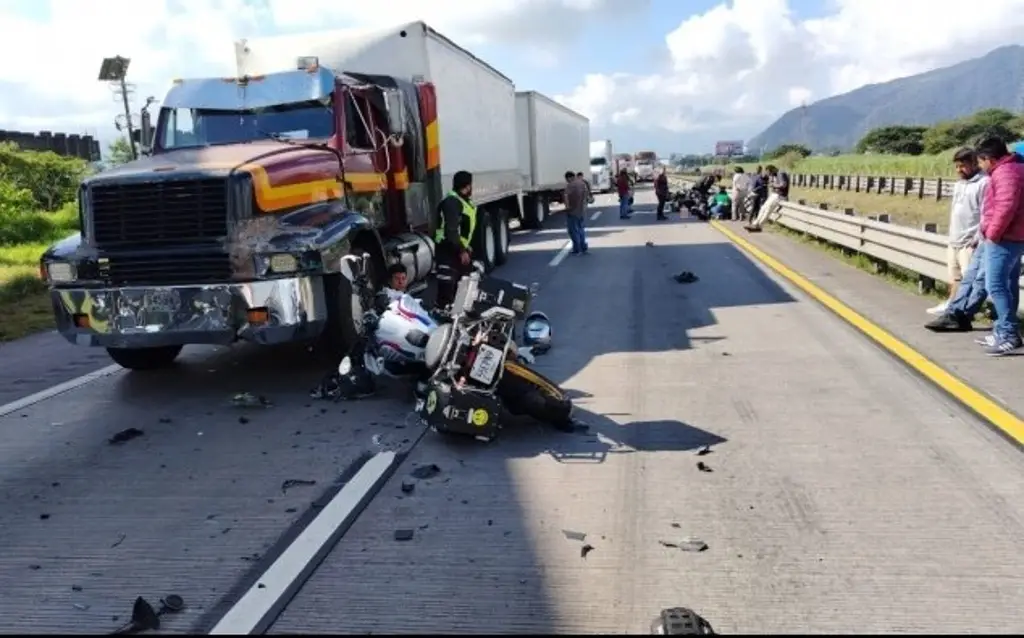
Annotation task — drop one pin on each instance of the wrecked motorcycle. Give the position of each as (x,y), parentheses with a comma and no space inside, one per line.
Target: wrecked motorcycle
(464,358)
(477,371)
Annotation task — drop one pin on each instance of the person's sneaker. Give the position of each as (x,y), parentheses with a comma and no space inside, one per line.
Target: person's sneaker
(949,323)
(988,341)
(1003,348)
(752,229)
(939,309)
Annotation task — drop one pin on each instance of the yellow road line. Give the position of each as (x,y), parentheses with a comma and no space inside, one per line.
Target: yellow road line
(986,408)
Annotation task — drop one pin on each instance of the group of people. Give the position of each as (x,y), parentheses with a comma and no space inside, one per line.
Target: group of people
(986,244)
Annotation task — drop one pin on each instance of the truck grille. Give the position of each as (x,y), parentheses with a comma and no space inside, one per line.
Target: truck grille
(168,269)
(170,213)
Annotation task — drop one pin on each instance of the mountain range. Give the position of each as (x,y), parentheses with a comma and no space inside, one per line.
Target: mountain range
(995,80)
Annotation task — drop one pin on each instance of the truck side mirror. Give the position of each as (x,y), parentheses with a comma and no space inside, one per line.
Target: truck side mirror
(146,137)
(396,110)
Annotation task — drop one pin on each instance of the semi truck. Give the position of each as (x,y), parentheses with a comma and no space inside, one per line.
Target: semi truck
(553,139)
(259,190)
(624,161)
(644,165)
(602,165)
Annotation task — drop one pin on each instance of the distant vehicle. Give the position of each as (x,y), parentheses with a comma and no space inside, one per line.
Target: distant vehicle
(602,163)
(644,162)
(623,161)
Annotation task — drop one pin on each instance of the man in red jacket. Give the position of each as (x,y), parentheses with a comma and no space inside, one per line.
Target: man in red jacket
(623,187)
(1002,225)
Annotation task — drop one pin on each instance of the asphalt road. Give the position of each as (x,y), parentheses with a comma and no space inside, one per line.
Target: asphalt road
(844,493)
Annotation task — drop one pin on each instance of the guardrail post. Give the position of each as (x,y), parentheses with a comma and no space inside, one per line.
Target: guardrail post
(920,188)
(926,285)
(938,189)
(849,211)
(880,266)
(823,206)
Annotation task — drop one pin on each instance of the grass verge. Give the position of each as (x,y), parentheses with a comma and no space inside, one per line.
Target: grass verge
(905,211)
(24,303)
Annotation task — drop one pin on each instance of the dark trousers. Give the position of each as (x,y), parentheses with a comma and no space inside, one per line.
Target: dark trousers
(661,205)
(449,271)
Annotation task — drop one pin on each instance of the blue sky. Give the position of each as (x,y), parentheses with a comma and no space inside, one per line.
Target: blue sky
(673,76)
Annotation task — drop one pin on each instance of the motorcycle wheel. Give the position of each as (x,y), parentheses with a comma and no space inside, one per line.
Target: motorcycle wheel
(531,393)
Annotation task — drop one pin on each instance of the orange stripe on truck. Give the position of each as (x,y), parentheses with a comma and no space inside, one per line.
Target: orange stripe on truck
(433,146)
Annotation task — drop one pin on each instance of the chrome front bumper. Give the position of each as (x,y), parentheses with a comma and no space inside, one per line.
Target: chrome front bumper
(179,315)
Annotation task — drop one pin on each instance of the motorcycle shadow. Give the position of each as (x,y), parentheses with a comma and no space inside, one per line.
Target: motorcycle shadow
(523,437)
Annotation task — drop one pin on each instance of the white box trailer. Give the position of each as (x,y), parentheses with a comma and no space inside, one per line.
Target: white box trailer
(476,104)
(553,139)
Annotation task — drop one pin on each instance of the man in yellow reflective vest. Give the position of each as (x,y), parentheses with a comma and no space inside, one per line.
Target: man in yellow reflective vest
(456,223)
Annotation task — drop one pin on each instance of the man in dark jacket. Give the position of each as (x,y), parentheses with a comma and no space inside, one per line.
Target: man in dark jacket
(623,186)
(661,192)
(456,224)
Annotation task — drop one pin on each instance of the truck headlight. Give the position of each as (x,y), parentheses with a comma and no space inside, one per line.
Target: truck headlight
(283,262)
(59,272)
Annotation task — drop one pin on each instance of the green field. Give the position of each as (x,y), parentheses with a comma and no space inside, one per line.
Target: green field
(37,208)
(927,166)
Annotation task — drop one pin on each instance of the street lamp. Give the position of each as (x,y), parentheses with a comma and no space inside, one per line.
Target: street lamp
(114,71)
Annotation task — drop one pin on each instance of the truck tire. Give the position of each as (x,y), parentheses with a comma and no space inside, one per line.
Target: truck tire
(145,358)
(536,211)
(344,314)
(485,247)
(501,236)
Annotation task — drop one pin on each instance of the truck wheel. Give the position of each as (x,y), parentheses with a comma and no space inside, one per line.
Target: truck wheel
(485,247)
(501,237)
(344,309)
(144,358)
(537,209)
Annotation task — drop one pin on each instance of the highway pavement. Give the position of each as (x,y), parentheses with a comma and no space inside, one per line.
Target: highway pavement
(749,455)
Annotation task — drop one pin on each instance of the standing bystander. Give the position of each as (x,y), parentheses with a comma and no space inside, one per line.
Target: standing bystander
(575,209)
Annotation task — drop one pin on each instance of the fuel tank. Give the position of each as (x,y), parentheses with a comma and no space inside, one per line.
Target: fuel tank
(414,251)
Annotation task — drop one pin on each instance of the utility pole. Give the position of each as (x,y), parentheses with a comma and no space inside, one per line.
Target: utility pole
(114,71)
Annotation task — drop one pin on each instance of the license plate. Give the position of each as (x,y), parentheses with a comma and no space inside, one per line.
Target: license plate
(485,366)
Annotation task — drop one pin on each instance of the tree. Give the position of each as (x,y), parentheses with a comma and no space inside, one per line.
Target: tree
(893,140)
(51,179)
(788,149)
(119,151)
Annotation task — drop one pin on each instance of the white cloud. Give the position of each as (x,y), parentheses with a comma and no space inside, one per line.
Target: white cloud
(738,66)
(52,49)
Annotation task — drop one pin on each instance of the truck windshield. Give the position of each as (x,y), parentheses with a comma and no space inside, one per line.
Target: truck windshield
(598,161)
(187,128)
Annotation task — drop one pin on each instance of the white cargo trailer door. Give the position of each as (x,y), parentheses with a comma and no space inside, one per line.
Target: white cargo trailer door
(561,142)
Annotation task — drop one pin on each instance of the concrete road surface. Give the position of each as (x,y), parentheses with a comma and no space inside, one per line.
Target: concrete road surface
(840,493)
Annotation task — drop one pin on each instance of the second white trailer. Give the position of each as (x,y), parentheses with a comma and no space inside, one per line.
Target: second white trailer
(552,139)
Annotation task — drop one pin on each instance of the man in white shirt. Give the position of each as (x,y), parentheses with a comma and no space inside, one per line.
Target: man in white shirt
(964,220)
(741,185)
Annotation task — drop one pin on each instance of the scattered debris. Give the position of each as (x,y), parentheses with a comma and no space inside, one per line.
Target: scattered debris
(726,354)
(650,244)
(290,483)
(248,400)
(586,549)
(704,451)
(687,545)
(44,517)
(120,539)
(404,534)
(425,472)
(703,467)
(81,607)
(76,588)
(243,420)
(574,536)
(686,277)
(676,525)
(165,419)
(408,487)
(35,567)
(680,621)
(125,435)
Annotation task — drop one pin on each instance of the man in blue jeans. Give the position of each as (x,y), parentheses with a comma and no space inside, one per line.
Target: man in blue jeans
(969,298)
(575,209)
(1002,224)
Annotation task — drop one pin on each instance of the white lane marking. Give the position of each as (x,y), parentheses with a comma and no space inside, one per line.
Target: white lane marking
(596,215)
(562,254)
(253,607)
(60,388)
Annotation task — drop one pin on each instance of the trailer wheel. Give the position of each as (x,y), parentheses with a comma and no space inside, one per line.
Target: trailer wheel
(501,236)
(537,209)
(485,247)
(144,358)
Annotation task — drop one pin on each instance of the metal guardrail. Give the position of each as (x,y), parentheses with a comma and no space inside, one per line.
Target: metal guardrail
(918,251)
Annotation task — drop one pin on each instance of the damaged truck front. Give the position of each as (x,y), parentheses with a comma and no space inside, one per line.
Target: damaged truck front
(235,225)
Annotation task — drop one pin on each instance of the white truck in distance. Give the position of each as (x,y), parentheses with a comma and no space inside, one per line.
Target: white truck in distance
(602,162)
(552,139)
(644,162)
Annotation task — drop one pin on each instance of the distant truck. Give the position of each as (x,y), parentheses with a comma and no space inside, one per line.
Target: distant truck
(260,187)
(553,139)
(624,161)
(602,165)
(644,165)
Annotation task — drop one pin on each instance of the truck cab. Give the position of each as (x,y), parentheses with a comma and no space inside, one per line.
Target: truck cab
(644,166)
(601,166)
(238,223)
